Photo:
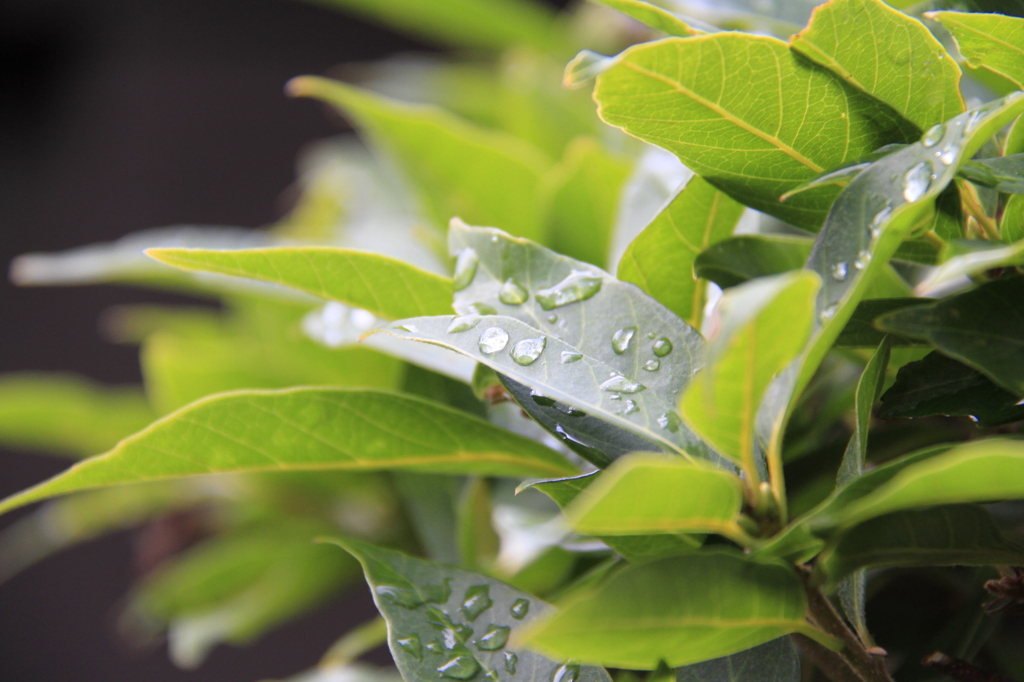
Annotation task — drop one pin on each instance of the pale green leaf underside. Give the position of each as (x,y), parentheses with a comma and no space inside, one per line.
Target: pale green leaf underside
(993,42)
(652,15)
(970,264)
(384,286)
(306,429)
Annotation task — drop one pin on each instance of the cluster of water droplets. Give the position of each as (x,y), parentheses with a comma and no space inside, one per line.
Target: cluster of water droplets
(335,324)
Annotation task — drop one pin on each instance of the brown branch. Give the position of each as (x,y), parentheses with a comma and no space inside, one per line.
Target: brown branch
(961,671)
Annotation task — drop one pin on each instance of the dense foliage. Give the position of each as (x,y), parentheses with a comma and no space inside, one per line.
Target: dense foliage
(708,370)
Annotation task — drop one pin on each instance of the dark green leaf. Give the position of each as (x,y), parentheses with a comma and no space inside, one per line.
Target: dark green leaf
(739,259)
(860,331)
(774,661)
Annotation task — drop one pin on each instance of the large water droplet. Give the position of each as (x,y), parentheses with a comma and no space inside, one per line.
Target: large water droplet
(494,638)
(510,662)
(411,645)
(481,309)
(662,347)
(828,313)
(552,318)
(570,672)
(839,271)
(476,601)
(519,608)
(948,154)
(462,323)
(630,407)
(934,135)
(466,264)
(669,421)
(512,293)
(527,351)
(621,384)
(652,365)
(578,286)
(863,259)
(916,182)
(407,599)
(492,340)
(621,339)
(461,667)
(569,356)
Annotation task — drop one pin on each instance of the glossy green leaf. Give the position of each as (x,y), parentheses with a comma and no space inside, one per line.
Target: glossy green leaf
(491,25)
(952,535)
(661,258)
(764,325)
(737,110)
(66,414)
(774,661)
(306,429)
(939,385)
(993,42)
(740,259)
(386,287)
(860,331)
(459,169)
(447,623)
(651,14)
(868,389)
(887,54)
(1001,172)
(679,610)
(980,328)
(1011,226)
(645,494)
(974,262)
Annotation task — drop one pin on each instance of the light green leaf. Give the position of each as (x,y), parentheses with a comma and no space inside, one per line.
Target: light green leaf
(643,494)
(764,325)
(992,42)
(888,55)
(449,623)
(654,16)
(490,25)
(660,261)
(740,259)
(385,287)
(1002,173)
(680,610)
(970,264)
(306,429)
(66,414)
(774,661)
(484,176)
(1011,226)
(737,109)
(478,541)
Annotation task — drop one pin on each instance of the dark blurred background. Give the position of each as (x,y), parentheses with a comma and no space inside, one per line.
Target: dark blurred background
(117,115)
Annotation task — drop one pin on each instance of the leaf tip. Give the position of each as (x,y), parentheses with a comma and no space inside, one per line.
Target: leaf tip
(301,86)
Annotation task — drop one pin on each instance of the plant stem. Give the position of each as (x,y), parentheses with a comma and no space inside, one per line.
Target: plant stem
(835,667)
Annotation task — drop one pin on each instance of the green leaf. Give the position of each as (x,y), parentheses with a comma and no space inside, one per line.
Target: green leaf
(66,414)
(860,331)
(973,263)
(740,259)
(484,176)
(951,535)
(643,494)
(491,25)
(306,429)
(652,15)
(1001,172)
(355,672)
(939,385)
(764,325)
(1011,226)
(992,42)
(888,55)
(386,287)
(774,661)
(981,328)
(868,389)
(444,622)
(737,110)
(661,258)
(478,541)
(680,610)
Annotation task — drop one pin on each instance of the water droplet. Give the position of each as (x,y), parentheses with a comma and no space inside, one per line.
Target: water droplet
(621,384)
(492,340)
(552,318)
(407,599)
(433,647)
(652,365)
(621,339)
(510,662)
(461,667)
(462,323)
(662,347)
(1013,96)
(541,399)
(973,418)
(439,620)
(494,638)
(411,646)
(916,182)
(828,313)
(880,219)
(411,328)
(481,309)
(493,675)
(578,286)
(948,154)
(863,259)
(569,356)
(973,120)
(839,271)
(476,601)
(616,397)
(437,594)
(570,672)
(669,421)
(934,135)
(512,293)
(631,407)
(570,410)
(466,264)
(519,608)
(527,351)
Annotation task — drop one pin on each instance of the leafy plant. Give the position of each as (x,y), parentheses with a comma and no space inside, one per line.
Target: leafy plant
(588,396)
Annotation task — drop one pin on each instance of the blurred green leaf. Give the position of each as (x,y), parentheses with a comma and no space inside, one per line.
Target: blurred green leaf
(992,42)
(1011,225)
(1001,172)
(774,661)
(651,14)
(860,331)
(740,259)
(988,257)
(478,541)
